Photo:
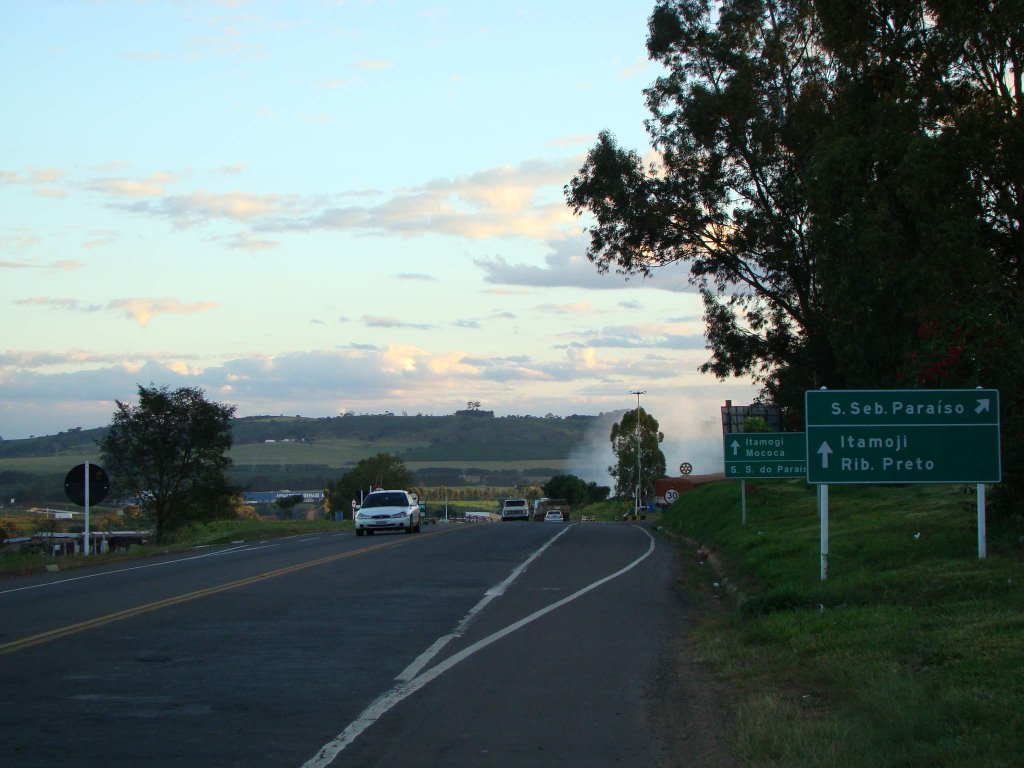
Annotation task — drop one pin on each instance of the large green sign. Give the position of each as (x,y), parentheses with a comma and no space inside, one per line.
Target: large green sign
(902,436)
(750,455)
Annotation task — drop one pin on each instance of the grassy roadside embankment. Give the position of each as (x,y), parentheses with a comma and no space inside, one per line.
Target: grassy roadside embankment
(909,654)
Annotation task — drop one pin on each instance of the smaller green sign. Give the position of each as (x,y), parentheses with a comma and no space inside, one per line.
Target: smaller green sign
(765,455)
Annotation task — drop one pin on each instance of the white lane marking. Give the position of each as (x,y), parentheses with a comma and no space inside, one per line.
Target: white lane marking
(496,591)
(231,551)
(403,690)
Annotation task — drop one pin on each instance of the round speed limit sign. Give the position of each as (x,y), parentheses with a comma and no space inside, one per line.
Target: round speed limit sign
(685,468)
(672,496)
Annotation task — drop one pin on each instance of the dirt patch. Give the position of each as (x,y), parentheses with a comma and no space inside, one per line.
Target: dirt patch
(692,708)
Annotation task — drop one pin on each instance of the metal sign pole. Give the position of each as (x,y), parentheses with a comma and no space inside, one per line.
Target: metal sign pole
(823,506)
(743,500)
(982,546)
(88,544)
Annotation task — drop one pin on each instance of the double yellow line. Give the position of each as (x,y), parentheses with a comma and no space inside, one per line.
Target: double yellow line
(110,618)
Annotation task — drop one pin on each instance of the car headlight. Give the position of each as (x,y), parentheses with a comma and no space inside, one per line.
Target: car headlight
(398,514)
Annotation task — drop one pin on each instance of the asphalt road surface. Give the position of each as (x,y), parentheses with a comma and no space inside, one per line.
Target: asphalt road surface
(506,644)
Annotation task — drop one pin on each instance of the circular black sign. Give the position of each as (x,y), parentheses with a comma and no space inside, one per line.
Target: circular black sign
(686,468)
(99,484)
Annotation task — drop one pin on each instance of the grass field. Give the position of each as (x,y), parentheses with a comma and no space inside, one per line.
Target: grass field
(909,654)
(330,453)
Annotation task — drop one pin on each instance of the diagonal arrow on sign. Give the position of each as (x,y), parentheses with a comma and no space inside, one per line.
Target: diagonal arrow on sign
(983,406)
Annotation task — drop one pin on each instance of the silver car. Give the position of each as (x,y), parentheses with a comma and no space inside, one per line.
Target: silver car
(388,511)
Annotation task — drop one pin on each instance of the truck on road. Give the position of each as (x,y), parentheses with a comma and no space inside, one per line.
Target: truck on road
(542,506)
(515,509)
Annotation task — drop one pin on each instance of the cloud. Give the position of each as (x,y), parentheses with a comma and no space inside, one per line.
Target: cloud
(141,310)
(32,176)
(64,265)
(579,308)
(203,207)
(35,385)
(60,303)
(659,336)
(152,186)
(390,322)
(245,243)
(516,201)
(415,276)
(567,266)
(472,324)
(507,201)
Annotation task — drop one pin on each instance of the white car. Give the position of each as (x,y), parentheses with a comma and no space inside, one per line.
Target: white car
(388,511)
(553,516)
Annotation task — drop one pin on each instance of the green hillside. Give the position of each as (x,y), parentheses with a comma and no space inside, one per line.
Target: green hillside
(273,452)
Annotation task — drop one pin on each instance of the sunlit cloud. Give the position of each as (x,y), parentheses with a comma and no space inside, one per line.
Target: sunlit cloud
(142,310)
(32,176)
(152,186)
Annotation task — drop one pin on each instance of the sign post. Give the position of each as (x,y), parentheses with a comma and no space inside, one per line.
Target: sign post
(903,436)
(85,484)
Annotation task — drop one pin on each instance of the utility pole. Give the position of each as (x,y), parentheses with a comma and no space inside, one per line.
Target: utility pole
(638,491)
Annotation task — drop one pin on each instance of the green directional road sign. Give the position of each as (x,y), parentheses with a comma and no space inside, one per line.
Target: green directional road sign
(902,436)
(750,455)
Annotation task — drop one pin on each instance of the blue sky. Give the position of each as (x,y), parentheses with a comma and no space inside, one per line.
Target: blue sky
(313,207)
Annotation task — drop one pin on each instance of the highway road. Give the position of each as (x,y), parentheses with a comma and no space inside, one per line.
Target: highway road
(500,644)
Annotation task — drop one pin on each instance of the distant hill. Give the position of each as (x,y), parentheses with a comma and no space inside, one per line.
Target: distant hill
(471,447)
(465,435)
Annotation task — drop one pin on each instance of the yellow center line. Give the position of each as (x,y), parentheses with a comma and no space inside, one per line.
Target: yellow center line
(73,629)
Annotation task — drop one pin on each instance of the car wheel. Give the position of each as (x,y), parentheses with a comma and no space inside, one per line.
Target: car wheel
(417,528)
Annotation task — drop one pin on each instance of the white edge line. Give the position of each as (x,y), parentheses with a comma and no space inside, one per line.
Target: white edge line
(380,707)
(496,591)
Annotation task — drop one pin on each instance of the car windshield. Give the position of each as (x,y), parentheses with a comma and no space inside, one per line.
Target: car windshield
(385,500)
(515,503)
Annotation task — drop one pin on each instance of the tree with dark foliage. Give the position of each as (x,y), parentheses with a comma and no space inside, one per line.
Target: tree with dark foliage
(627,438)
(170,450)
(845,181)
(380,471)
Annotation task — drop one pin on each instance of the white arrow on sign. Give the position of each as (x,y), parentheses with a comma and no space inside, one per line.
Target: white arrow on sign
(735,447)
(983,405)
(825,452)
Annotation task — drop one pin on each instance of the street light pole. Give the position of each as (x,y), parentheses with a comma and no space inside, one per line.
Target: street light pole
(638,464)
